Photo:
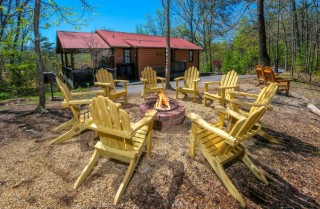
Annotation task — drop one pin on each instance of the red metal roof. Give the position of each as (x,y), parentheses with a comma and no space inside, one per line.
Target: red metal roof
(120,39)
(111,39)
(80,40)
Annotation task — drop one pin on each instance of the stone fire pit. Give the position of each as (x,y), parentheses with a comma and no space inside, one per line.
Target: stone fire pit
(164,118)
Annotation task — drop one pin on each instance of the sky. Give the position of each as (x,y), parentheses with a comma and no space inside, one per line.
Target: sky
(118,15)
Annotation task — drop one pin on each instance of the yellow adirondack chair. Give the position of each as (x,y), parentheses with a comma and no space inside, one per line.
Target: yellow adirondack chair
(106,82)
(119,139)
(220,146)
(191,79)
(260,74)
(228,83)
(283,84)
(149,80)
(262,99)
(81,118)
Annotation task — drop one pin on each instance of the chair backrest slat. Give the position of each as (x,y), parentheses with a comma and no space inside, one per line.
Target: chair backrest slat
(269,75)
(229,79)
(245,125)
(189,76)
(259,72)
(151,75)
(106,114)
(265,95)
(68,97)
(105,76)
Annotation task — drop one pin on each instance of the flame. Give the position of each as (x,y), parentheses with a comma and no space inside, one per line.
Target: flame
(162,102)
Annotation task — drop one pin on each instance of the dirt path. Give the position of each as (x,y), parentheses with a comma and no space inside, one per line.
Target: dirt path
(35,174)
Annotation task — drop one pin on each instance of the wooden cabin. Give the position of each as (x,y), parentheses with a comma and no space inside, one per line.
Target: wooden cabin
(125,53)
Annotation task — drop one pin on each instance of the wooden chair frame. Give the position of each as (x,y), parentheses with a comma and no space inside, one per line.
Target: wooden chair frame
(260,74)
(191,79)
(150,82)
(118,138)
(219,146)
(228,83)
(81,119)
(106,82)
(262,99)
(283,84)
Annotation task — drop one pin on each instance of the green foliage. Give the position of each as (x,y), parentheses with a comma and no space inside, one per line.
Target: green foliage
(233,61)
(243,52)
(22,73)
(318,153)
(206,69)
(4,96)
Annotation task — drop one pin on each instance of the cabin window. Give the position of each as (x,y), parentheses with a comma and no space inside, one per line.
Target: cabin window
(173,55)
(127,57)
(190,56)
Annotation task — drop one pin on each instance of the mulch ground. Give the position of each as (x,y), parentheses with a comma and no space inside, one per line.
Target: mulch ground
(35,174)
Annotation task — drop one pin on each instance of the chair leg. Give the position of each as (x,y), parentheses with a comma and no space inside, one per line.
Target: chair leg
(192,138)
(65,125)
(125,180)
(217,167)
(149,140)
(126,99)
(87,169)
(205,101)
(194,97)
(176,94)
(72,132)
(268,137)
(256,171)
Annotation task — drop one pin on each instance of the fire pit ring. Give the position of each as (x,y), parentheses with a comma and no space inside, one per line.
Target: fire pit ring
(152,101)
(164,118)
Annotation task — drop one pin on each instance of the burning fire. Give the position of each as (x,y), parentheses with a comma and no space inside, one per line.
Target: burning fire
(162,102)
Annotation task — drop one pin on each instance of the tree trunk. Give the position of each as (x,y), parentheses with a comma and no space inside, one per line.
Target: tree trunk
(292,51)
(168,51)
(317,37)
(278,37)
(263,53)
(295,24)
(39,64)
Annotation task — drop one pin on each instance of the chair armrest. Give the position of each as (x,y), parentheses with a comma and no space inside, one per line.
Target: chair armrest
(206,85)
(121,81)
(102,84)
(87,93)
(76,102)
(227,111)
(179,78)
(250,104)
(161,79)
(149,116)
(211,82)
(203,124)
(103,129)
(229,87)
(237,93)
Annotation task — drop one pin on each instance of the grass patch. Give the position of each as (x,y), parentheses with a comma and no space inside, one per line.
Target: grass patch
(317,153)
(5,96)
